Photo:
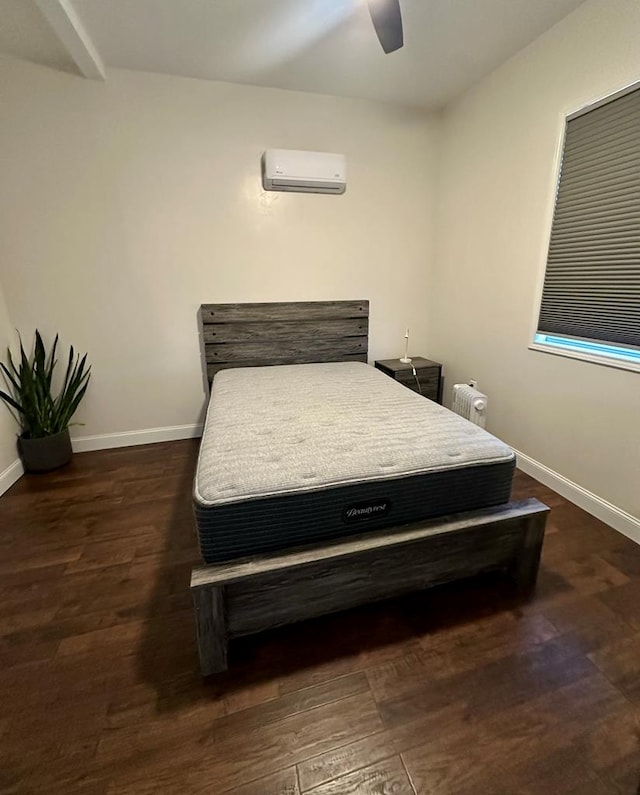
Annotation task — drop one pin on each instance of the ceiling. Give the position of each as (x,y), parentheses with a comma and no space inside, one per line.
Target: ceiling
(323,46)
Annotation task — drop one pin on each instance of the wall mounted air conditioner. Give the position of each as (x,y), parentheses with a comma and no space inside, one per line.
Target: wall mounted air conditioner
(304,172)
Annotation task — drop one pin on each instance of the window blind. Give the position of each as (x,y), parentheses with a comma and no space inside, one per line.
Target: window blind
(592,282)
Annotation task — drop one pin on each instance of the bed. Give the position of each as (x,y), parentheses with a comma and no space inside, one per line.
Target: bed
(322,483)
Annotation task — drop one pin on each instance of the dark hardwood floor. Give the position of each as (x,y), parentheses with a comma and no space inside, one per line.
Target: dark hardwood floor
(457,690)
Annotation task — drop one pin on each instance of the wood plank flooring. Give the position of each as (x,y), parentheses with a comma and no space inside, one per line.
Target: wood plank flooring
(461,690)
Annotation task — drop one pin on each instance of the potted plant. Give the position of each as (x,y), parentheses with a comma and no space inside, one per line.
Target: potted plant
(44,442)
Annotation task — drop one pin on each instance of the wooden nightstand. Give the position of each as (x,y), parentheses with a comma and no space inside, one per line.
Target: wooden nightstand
(429,375)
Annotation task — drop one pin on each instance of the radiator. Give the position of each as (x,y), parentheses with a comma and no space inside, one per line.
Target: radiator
(469,403)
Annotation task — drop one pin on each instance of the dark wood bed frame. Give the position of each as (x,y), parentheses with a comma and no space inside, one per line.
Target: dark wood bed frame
(250,595)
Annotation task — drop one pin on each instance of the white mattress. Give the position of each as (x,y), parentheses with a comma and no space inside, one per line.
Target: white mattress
(299,428)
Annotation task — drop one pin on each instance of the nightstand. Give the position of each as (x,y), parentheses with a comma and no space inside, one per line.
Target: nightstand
(429,375)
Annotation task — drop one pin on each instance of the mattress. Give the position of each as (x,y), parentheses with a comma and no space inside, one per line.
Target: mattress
(300,454)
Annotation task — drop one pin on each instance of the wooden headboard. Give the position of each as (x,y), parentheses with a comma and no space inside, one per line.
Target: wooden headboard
(294,332)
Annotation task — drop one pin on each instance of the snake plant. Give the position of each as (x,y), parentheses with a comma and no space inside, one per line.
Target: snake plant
(30,398)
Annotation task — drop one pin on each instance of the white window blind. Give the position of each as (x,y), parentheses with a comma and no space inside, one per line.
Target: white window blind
(592,282)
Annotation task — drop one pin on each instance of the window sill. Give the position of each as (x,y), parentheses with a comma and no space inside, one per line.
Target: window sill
(606,361)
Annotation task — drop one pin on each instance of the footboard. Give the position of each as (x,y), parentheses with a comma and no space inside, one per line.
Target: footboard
(251,595)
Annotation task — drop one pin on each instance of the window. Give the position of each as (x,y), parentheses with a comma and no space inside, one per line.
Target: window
(590,305)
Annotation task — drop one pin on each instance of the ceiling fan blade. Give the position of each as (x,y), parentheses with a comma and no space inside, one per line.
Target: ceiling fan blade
(387,20)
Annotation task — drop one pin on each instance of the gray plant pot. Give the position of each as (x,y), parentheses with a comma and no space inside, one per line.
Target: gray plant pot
(47,453)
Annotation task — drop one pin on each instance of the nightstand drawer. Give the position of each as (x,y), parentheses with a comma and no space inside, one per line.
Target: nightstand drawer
(425,377)
(430,392)
(428,378)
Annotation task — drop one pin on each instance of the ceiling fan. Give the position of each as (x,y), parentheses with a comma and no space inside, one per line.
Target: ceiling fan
(387,20)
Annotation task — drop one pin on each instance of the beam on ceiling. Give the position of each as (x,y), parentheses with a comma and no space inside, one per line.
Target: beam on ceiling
(68,27)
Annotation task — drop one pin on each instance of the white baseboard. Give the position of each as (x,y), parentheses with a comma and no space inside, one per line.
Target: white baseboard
(608,513)
(107,441)
(9,476)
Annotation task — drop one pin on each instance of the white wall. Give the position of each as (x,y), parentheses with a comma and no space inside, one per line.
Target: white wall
(495,194)
(8,427)
(128,203)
